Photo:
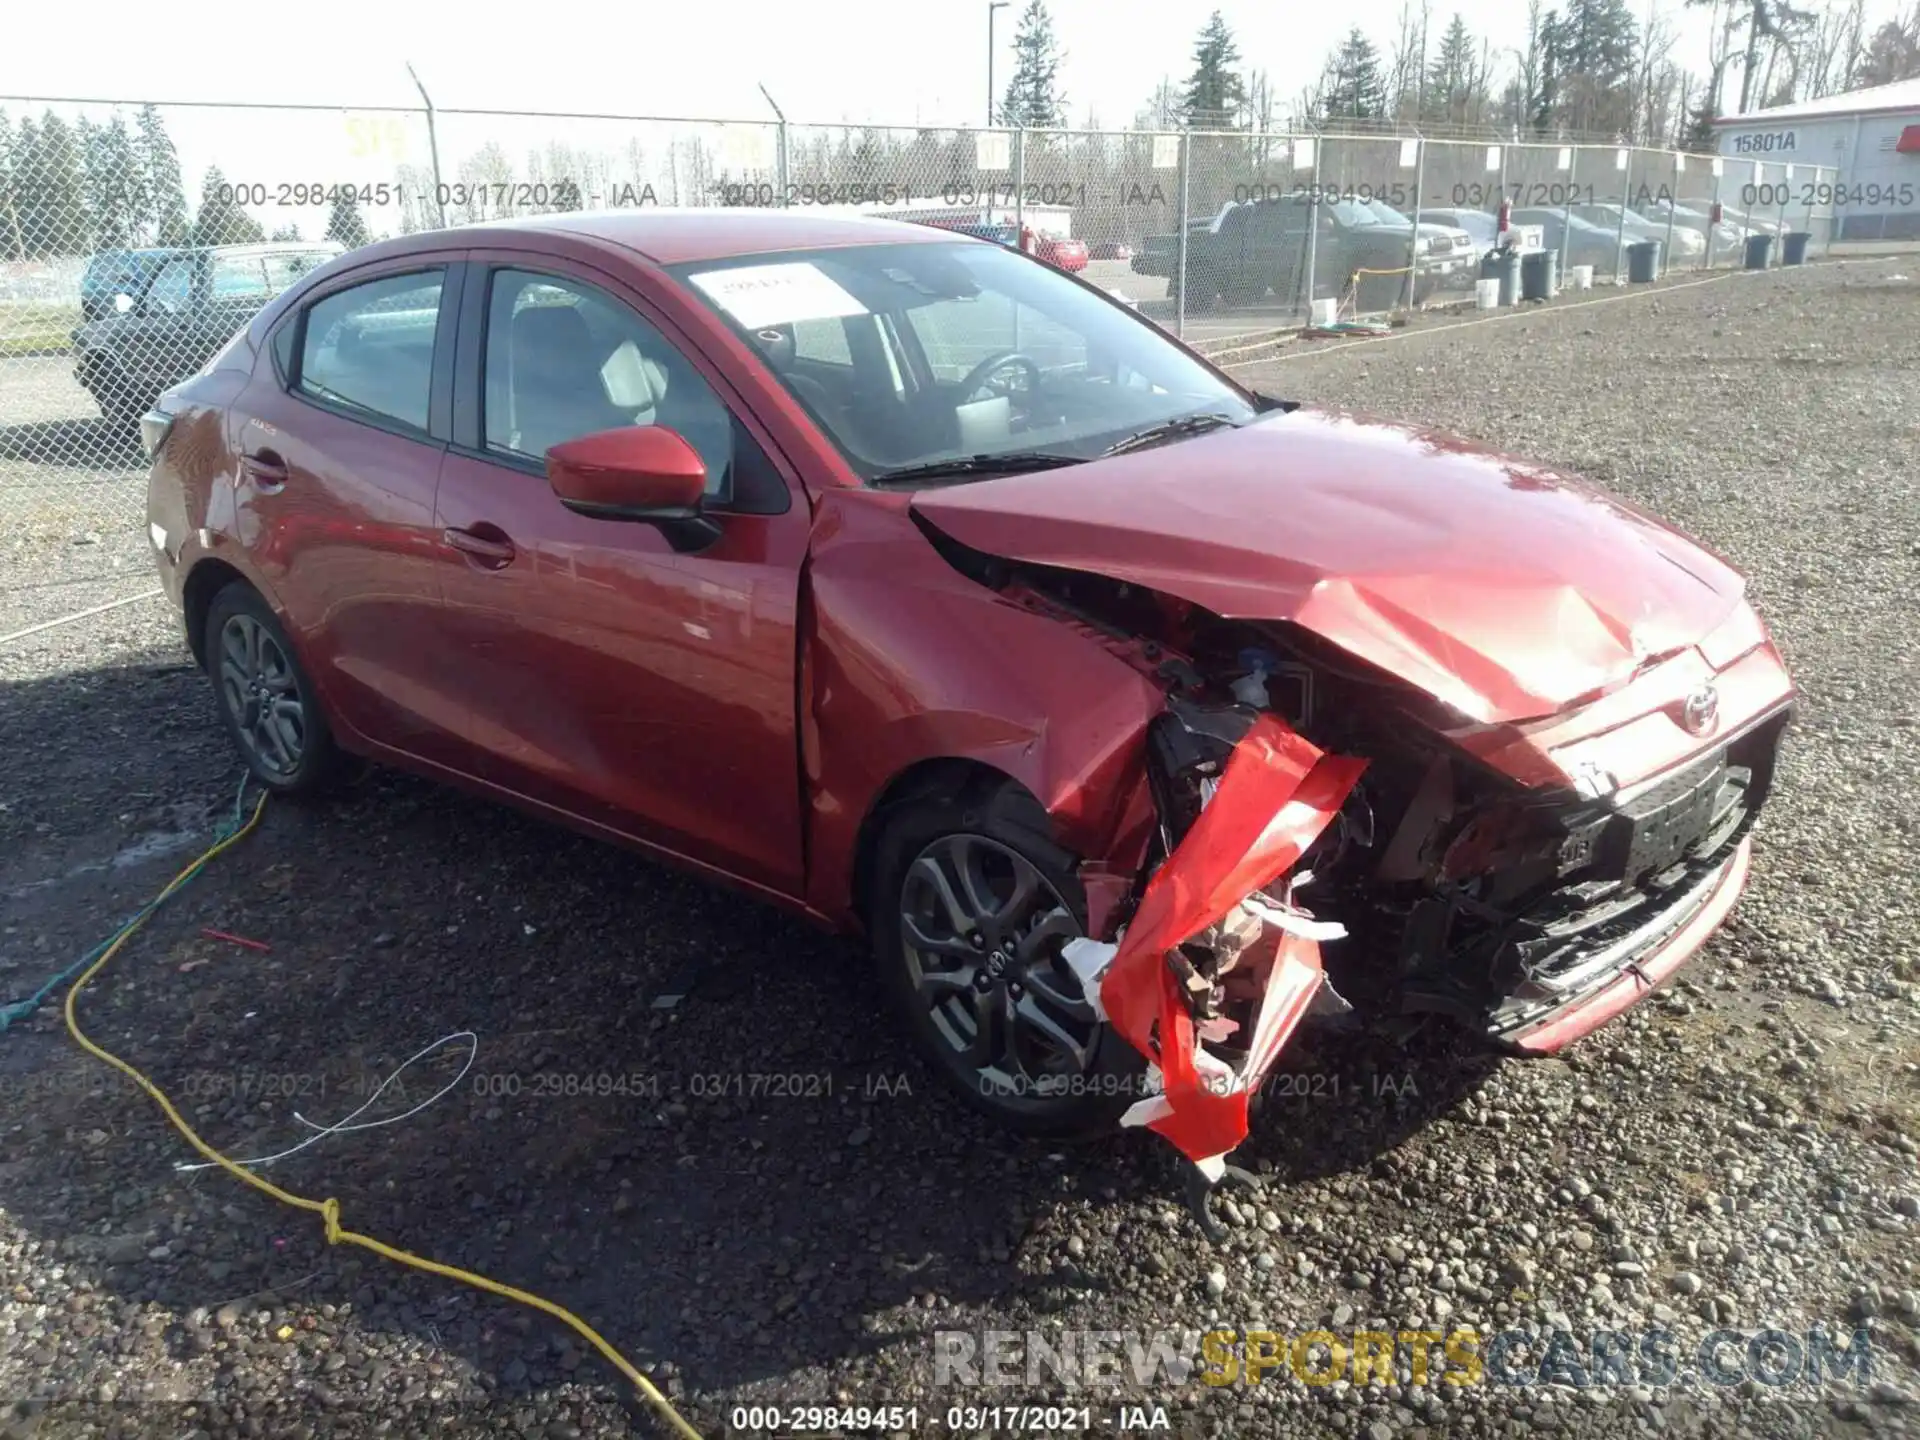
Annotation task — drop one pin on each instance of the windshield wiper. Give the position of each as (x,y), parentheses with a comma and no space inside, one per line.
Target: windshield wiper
(1174,429)
(1012,462)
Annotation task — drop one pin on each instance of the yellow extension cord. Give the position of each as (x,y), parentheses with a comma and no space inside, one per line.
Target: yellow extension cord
(329,1209)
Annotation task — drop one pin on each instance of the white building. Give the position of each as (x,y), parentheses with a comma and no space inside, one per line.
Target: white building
(1872,137)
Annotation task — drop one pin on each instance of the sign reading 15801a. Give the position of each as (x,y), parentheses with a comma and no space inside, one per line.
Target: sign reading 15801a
(1765,142)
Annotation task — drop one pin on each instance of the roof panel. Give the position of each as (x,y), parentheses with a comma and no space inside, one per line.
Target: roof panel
(673,236)
(1901,95)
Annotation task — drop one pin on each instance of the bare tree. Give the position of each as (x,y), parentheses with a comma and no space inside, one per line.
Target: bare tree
(1407,61)
(1162,110)
(1657,82)
(1527,92)
(1832,49)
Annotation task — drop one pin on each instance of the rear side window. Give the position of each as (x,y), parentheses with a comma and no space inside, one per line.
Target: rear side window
(823,341)
(236,278)
(370,348)
(283,270)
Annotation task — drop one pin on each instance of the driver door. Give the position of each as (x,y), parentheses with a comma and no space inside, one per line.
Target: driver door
(600,674)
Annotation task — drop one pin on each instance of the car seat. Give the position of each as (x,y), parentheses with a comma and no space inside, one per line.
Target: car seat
(556,387)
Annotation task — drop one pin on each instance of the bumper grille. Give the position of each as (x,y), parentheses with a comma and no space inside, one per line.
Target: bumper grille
(1631,876)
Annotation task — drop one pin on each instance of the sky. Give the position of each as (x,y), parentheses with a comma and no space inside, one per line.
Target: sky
(829,61)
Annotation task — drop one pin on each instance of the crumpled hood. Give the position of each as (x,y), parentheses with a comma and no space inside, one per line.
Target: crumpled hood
(1505,589)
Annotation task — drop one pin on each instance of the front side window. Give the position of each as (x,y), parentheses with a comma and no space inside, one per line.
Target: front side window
(564,360)
(370,348)
(957,351)
(172,289)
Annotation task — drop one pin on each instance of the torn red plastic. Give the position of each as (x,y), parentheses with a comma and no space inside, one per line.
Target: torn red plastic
(1278,792)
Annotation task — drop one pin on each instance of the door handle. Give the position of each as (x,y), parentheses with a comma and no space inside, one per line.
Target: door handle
(265,469)
(493,551)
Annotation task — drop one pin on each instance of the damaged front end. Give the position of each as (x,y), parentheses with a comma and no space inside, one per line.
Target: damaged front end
(1331,839)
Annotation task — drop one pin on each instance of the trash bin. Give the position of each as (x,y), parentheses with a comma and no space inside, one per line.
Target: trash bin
(1503,265)
(1793,247)
(1758,248)
(1643,261)
(1539,274)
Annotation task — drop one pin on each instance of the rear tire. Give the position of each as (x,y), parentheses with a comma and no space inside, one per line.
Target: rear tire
(266,700)
(971,901)
(113,392)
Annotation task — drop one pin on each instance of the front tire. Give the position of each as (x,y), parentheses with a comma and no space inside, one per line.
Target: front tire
(971,902)
(269,705)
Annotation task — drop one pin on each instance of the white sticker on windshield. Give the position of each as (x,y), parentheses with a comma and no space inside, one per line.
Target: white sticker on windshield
(758,295)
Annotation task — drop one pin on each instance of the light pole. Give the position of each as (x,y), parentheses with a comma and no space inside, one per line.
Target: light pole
(992,6)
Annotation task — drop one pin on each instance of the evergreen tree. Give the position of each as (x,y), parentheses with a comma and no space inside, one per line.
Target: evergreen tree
(566,193)
(285,232)
(48,186)
(10,248)
(1354,88)
(115,189)
(1215,94)
(1591,50)
(166,198)
(345,225)
(1033,98)
(1455,84)
(219,220)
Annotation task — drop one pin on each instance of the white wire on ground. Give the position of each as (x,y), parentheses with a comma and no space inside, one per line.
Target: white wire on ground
(346,1126)
(80,615)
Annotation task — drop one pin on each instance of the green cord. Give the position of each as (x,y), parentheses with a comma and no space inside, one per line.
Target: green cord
(23,1009)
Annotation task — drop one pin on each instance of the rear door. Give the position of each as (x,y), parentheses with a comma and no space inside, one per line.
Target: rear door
(339,439)
(603,674)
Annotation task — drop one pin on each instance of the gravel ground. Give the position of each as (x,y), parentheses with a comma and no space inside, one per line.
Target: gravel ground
(1738,1154)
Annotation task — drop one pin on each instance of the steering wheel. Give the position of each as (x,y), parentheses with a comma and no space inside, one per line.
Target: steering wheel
(976,378)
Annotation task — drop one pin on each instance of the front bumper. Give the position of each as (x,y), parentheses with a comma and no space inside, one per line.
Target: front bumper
(1625,973)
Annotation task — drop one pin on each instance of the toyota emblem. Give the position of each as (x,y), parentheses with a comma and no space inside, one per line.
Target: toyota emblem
(1701,711)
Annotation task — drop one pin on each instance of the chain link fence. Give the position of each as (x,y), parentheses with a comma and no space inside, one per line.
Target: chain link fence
(135,239)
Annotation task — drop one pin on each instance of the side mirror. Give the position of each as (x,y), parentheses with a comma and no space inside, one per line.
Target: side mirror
(636,472)
(122,303)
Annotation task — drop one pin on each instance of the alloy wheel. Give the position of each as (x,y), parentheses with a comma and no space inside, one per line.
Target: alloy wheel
(262,693)
(982,930)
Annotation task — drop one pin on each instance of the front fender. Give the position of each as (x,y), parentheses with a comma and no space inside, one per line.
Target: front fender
(905,660)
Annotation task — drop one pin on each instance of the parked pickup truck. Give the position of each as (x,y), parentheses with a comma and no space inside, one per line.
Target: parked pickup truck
(1250,248)
(166,318)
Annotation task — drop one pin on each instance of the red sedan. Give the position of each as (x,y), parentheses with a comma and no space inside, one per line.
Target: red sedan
(1066,253)
(1133,717)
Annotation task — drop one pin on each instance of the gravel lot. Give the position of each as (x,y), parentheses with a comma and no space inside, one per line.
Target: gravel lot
(1738,1154)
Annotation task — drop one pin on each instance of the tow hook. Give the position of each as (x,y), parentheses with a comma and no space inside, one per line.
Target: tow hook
(1200,1195)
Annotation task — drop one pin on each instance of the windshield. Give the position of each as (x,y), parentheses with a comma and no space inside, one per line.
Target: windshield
(1353,212)
(915,354)
(1387,213)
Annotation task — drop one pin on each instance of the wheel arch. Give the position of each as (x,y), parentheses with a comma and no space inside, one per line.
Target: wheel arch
(958,777)
(206,580)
